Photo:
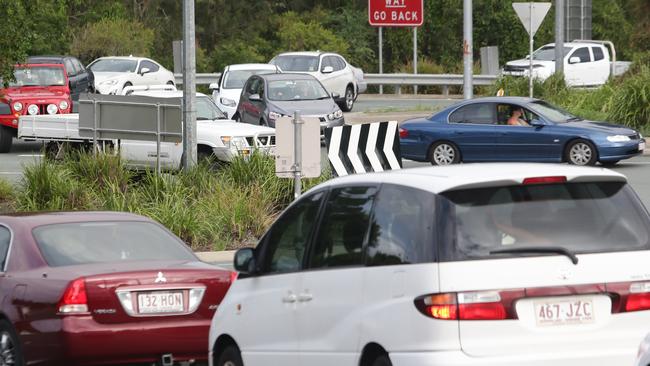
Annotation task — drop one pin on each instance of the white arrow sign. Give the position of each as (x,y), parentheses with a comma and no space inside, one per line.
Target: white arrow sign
(531,15)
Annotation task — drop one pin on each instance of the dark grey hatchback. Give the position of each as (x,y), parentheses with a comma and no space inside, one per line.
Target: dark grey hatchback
(265,98)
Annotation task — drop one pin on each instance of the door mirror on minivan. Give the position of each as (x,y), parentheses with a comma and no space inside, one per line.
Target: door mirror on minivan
(214,86)
(144,70)
(244,261)
(255,98)
(574,60)
(327,69)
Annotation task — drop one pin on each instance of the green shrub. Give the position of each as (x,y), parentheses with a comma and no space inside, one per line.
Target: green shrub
(48,186)
(630,104)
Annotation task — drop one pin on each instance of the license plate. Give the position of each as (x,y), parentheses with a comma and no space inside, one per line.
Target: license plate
(160,302)
(564,312)
(641,145)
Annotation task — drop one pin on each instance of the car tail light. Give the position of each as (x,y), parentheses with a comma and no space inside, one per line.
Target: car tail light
(481,305)
(74,299)
(403,133)
(638,297)
(544,180)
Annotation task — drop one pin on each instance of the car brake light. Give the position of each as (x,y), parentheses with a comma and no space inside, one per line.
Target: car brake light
(484,305)
(74,299)
(639,297)
(403,133)
(544,180)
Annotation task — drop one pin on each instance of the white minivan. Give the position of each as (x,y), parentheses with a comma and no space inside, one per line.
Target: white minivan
(477,264)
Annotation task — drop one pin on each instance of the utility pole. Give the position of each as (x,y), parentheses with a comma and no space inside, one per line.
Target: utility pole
(559,36)
(468,77)
(415,56)
(381,57)
(189,86)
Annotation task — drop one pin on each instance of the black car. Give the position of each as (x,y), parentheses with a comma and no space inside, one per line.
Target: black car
(81,80)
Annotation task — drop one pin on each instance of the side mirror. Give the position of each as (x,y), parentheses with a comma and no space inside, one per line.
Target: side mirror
(336,95)
(244,261)
(536,123)
(574,60)
(327,69)
(144,70)
(255,98)
(214,86)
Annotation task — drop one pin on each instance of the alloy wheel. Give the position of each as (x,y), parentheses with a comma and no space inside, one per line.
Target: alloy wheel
(444,154)
(7,350)
(349,99)
(580,154)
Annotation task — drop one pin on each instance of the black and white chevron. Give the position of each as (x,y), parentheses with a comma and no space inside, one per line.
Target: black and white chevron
(363,148)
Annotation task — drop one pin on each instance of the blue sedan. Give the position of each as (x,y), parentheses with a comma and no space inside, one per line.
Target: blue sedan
(515,129)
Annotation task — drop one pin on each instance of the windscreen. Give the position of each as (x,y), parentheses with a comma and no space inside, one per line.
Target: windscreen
(101,242)
(552,112)
(302,89)
(236,79)
(296,63)
(548,53)
(580,217)
(38,76)
(113,65)
(207,110)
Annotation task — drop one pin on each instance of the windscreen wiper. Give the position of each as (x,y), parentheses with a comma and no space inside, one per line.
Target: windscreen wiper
(556,250)
(574,119)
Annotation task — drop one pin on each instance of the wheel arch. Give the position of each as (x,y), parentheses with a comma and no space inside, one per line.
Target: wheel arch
(221,343)
(371,351)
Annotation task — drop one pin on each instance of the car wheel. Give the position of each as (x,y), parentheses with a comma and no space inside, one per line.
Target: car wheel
(581,152)
(444,153)
(6,139)
(10,354)
(382,360)
(348,103)
(229,357)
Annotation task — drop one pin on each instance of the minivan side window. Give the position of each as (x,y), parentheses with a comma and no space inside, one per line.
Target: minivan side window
(5,239)
(288,238)
(479,113)
(342,231)
(402,227)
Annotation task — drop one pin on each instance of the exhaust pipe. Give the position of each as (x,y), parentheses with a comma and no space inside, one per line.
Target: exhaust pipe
(167,359)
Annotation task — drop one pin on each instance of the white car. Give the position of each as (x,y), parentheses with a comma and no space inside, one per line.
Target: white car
(585,64)
(643,354)
(112,74)
(338,77)
(478,264)
(227,91)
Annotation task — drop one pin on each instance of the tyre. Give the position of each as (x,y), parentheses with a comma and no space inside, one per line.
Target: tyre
(6,139)
(382,360)
(444,153)
(581,152)
(610,163)
(10,352)
(229,357)
(348,102)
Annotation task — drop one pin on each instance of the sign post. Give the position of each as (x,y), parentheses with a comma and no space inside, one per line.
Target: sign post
(297,149)
(531,16)
(396,13)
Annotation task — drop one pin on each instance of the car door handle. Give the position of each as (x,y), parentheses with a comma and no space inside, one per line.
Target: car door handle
(304,297)
(291,298)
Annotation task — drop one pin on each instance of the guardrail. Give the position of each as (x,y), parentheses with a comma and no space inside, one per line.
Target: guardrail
(444,80)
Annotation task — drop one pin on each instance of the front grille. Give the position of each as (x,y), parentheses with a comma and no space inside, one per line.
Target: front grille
(262,141)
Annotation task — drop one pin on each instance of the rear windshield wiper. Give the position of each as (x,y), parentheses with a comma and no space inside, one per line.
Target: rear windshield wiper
(556,250)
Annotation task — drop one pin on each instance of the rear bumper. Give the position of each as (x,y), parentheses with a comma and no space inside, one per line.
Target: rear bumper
(87,342)
(459,358)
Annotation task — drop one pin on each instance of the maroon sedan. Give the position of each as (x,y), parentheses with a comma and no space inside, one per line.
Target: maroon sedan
(102,288)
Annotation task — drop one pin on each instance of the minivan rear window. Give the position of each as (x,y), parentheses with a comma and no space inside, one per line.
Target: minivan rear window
(580,217)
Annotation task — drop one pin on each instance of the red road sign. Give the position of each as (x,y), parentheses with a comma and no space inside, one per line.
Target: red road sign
(396,13)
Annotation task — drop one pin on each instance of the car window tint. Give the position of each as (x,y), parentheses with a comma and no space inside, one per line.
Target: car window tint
(148,64)
(480,113)
(100,242)
(582,53)
(581,217)
(327,61)
(401,229)
(289,236)
(78,65)
(260,88)
(340,63)
(69,68)
(5,239)
(342,232)
(598,53)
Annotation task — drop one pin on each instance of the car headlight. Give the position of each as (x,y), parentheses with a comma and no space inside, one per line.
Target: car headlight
(274,116)
(228,102)
(18,106)
(108,82)
(63,104)
(618,138)
(338,113)
(52,109)
(32,109)
(234,142)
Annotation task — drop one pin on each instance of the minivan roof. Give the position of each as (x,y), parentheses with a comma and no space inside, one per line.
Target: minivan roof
(446,178)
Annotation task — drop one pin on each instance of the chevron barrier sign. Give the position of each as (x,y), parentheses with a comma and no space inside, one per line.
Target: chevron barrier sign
(363,148)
